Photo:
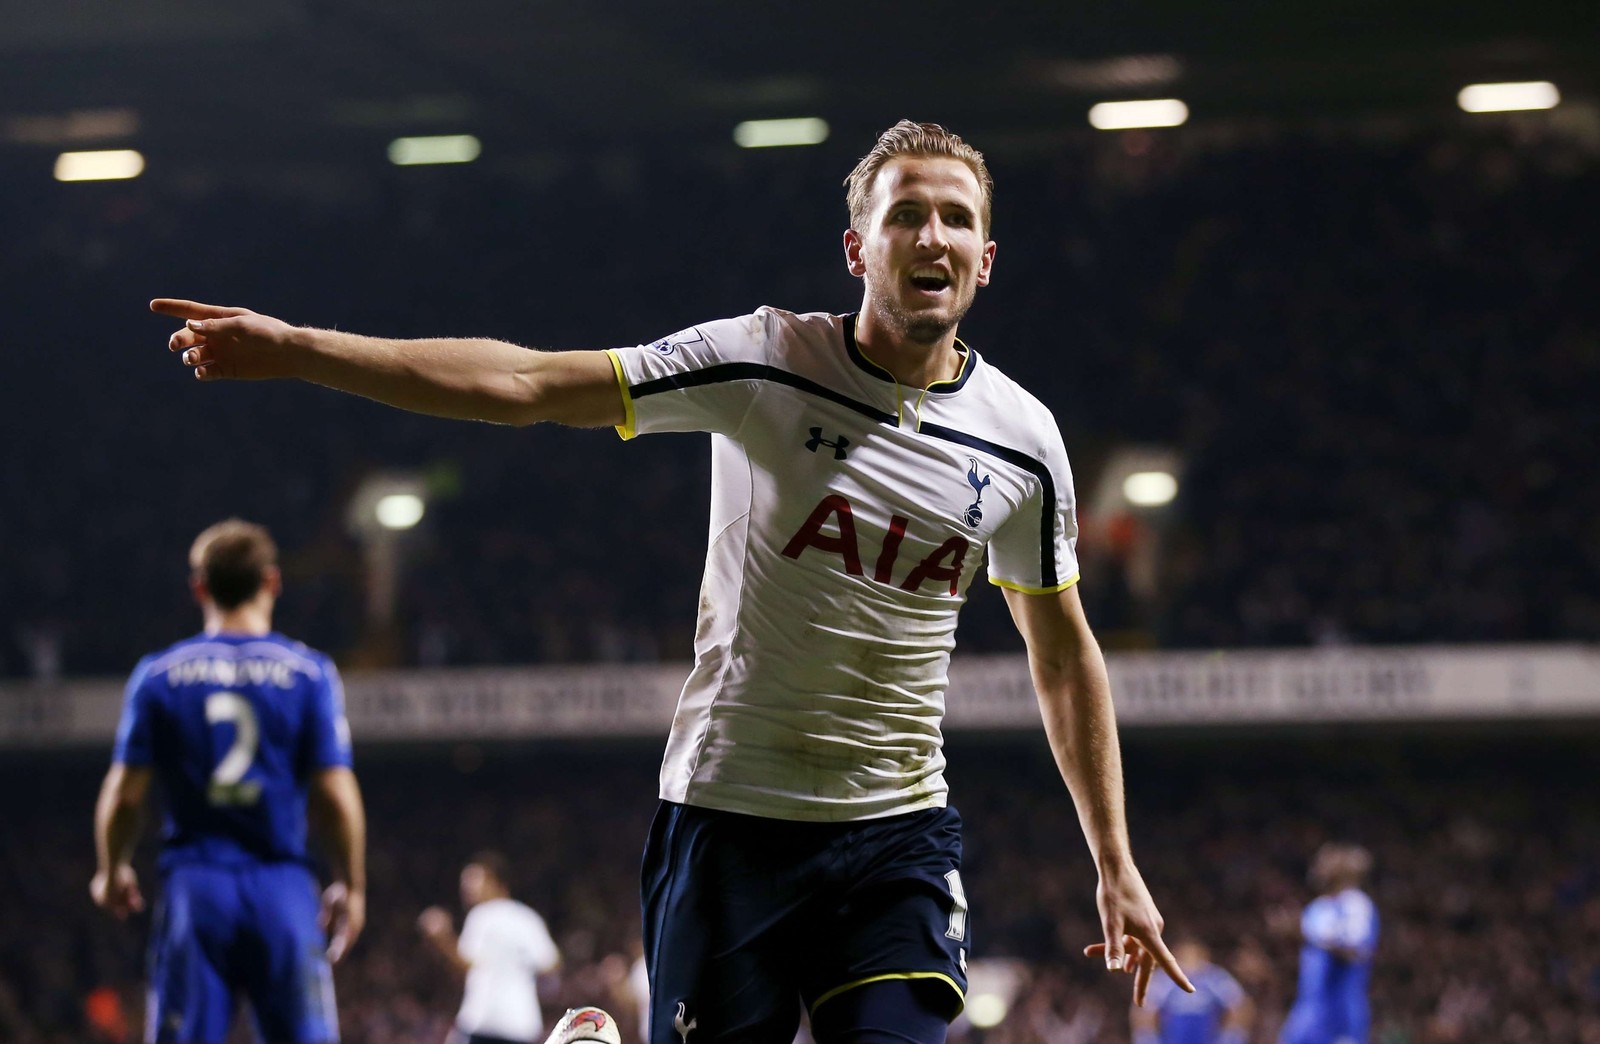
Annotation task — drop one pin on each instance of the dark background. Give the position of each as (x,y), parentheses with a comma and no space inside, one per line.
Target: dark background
(1365,323)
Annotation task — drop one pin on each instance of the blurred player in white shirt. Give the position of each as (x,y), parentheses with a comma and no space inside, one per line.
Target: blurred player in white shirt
(504,946)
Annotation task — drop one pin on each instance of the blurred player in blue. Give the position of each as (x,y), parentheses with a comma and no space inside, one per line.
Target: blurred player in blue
(1217,1012)
(245,730)
(1340,931)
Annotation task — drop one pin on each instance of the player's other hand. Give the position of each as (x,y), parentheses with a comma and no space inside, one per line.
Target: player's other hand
(117,891)
(344,914)
(235,344)
(434,922)
(1133,927)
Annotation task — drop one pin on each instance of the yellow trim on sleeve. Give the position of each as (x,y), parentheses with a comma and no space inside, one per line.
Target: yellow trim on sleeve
(1009,586)
(961,998)
(628,428)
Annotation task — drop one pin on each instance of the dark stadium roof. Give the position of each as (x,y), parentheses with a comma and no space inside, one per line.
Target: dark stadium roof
(280,78)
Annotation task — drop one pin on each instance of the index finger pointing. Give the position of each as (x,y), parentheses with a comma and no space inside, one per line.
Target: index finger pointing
(1170,964)
(181,309)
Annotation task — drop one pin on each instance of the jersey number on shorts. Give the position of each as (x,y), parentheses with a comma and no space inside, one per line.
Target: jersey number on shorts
(226,788)
(958,907)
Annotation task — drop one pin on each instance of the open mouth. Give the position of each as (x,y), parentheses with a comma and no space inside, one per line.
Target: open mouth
(930,281)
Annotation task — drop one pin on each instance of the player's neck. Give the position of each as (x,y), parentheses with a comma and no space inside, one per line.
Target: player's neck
(912,363)
(253,619)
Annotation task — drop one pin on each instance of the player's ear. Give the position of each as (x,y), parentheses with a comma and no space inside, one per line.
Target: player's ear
(986,263)
(852,253)
(197,588)
(272,580)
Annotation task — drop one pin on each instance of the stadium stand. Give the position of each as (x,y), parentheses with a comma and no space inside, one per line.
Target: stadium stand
(1351,341)
(1487,853)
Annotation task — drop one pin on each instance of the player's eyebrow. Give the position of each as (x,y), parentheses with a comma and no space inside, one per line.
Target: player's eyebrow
(913,201)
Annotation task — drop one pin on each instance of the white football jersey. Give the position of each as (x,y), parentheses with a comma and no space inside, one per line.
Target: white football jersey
(848,515)
(506,944)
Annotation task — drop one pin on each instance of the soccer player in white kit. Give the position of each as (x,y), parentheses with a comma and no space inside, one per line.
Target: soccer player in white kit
(805,851)
(504,945)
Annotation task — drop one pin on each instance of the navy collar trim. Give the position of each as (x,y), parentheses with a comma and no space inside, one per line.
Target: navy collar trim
(969,362)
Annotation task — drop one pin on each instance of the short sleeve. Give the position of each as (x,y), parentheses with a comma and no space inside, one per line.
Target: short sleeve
(330,729)
(541,952)
(134,743)
(700,379)
(1035,551)
(471,940)
(1320,924)
(1227,989)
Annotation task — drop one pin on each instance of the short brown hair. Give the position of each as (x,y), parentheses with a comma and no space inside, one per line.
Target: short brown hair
(1339,864)
(231,559)
(909,138)
(495,864)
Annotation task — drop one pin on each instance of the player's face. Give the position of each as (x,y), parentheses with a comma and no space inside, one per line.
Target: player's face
(1191,955)
(923,253)
(474,883)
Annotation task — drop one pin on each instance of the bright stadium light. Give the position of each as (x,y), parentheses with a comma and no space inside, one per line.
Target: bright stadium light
(1508,97)
(986,1010)
(109,165)
(1150,488)
(399,510)
(440,148)
(765,134)
(1127,115)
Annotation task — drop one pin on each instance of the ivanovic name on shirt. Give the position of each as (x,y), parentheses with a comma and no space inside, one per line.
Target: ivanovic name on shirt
(212,670)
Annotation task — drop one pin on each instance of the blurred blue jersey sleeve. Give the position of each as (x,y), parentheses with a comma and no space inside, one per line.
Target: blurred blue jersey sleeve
(329,734)
(135,739)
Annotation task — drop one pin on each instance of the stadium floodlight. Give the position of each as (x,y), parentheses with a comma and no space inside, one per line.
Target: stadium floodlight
(766,134)
(986,1010)
(1129,115)
(438,148)
(399,510)
(107,165)
(1150,488)
(993,984)
(1508,97)
(385,508)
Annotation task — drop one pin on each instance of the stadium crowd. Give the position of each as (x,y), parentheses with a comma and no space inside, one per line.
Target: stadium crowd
(1487,880)
(1376,354)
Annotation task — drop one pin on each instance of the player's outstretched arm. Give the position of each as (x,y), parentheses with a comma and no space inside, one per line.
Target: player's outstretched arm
(437,926)
(118,815)
(1069,675)
(341,819)
(465,378)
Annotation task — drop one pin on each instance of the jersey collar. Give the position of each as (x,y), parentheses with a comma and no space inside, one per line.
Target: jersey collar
(969,361)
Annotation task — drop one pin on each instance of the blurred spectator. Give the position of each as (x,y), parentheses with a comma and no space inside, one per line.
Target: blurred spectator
(1378,356)
(1486,873)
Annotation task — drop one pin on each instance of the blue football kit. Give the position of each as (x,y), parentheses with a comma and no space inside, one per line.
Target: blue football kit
(1198,1017)
(233,727)
(1341,934)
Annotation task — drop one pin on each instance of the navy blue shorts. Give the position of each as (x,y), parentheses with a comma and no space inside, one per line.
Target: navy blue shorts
(219,931)
(747,918)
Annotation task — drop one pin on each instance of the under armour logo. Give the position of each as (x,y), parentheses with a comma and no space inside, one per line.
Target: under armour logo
(683,1028)
(838,445)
